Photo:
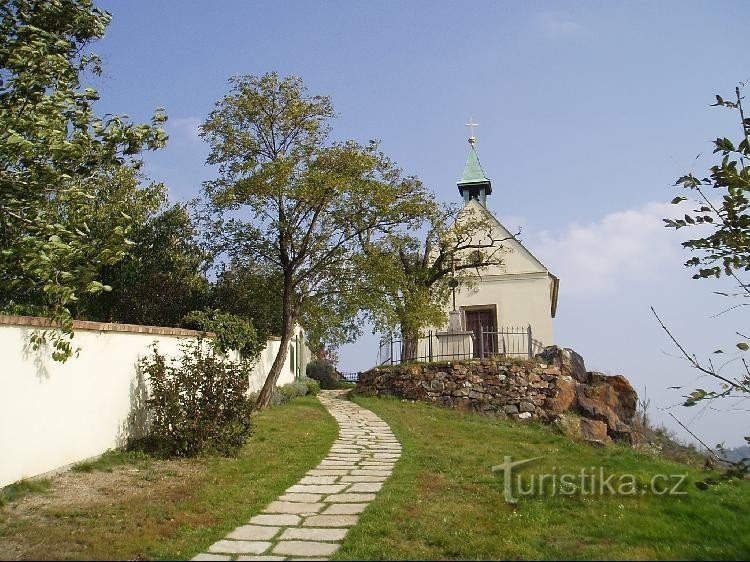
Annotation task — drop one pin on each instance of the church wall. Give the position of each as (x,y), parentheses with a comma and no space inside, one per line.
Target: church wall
(520,301)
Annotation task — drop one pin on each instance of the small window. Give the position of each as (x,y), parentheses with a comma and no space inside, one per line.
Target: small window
(292,361)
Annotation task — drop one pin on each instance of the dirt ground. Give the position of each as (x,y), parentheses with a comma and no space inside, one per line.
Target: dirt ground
(35,526)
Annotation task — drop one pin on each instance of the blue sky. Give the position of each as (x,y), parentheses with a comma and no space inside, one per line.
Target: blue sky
(587,112)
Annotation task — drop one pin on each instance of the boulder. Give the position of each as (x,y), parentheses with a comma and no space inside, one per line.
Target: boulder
(565,396)
(568,361)
(602,402)
(593,430)
(617,392)
(572,426)
(569,425)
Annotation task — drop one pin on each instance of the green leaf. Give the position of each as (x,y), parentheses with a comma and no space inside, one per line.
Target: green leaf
(743,346)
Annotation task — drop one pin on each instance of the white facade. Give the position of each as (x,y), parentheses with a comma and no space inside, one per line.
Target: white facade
(55,414)
(519,293)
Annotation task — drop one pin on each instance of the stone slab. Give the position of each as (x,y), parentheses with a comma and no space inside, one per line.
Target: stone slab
(204,556)
(367,472)
(293,507)
(303,498)
(364,478)
(253,533)
(344,509)
(365,487)
(305,548)
(314,534)
(246,558)
(319,480)
(315,488)
(276,520)
(350,498)
(239,547)
(330,521)
(326,472)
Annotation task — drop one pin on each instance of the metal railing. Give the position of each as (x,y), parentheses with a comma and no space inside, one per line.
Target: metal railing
(482,344)
(350,377)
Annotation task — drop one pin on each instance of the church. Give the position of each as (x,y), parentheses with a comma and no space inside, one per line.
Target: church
(507,308)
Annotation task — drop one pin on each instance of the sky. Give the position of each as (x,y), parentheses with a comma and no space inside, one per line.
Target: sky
(587,112)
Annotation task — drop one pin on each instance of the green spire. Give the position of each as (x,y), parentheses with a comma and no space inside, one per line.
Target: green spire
(473,172)
(473,183)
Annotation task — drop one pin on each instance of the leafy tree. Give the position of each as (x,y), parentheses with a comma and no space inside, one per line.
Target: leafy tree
(249,292)
(160,280)
(411,278)
(51,145)
(292,201)
(231,332)
(720,210)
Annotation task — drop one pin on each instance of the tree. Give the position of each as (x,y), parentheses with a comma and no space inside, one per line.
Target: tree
(160,280)
(292,201)
(720,207)
(249,292)
(412,278)
(51,145)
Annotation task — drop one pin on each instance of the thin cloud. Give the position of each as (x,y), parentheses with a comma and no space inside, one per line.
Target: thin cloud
(558,24)
(629,246)
(186,129)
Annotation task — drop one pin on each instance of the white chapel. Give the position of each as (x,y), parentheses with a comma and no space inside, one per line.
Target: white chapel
(507,308)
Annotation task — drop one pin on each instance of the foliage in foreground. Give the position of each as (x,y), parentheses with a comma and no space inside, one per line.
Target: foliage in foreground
(53,148)
(197,401)
(721,213)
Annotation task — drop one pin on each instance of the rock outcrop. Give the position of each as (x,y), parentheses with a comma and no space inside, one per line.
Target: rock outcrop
(550,387)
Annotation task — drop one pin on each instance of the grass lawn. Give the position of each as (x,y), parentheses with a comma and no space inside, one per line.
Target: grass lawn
(128,506)
(444,502)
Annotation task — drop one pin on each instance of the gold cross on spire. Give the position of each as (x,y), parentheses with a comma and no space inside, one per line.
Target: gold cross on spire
(471,125)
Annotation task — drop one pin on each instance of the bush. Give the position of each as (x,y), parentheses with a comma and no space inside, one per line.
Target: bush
(232,332)
(323,372)
(313,386)
(197,403)
(287,392)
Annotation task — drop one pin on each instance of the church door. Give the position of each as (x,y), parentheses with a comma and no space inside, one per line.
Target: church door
(478,321)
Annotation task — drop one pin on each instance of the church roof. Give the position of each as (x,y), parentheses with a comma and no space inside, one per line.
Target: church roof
(473,172)
(555,281)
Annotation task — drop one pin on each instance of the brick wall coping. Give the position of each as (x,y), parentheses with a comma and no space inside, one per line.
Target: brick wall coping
(40,322)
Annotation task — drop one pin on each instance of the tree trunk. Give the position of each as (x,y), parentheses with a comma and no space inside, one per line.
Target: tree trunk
(410,344)
(287,331)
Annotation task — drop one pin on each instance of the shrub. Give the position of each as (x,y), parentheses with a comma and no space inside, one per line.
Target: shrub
(197,402)
(232,332)
(287,392)
(323,372)
(313,386)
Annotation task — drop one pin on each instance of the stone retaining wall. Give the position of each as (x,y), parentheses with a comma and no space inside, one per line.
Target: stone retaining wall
(543,388)
(516,389)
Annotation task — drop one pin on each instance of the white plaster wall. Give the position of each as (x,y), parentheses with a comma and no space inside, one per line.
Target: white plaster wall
(287,375)
(519,288)
(520,301)
(55,414)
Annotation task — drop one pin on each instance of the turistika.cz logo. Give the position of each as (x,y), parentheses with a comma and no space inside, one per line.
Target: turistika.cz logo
(589,481)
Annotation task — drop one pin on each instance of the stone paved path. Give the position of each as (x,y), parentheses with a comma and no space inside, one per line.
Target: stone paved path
(311,518)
